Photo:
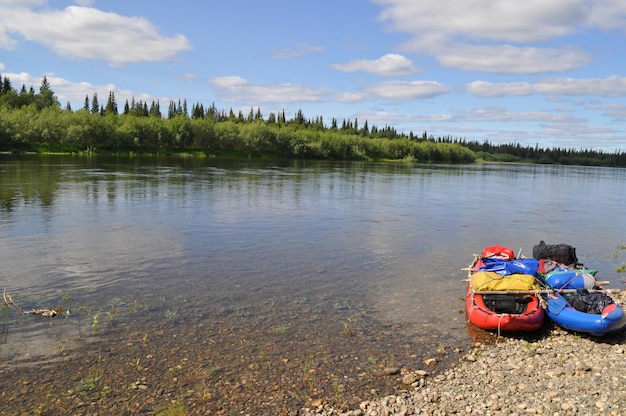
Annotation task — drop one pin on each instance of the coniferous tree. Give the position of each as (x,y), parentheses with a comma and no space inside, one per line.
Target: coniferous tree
(95,107)
(155,110)
(299,117)
(212,113)
(86,105)
(111,107)
(171,111)
(6,85)
(46,95)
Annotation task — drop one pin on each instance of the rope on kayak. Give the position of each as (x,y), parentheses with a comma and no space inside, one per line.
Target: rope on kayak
(542,300)
(499,322)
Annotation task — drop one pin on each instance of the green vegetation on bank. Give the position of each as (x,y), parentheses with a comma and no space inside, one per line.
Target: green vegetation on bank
(31,121)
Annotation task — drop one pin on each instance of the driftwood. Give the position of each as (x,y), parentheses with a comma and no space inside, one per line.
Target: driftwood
(50,313)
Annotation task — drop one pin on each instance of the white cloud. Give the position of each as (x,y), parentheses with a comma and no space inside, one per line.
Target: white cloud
(88,33)
(615,112)
(490,89)
(501,114)
(23,3)
(237,89)
(613,86)
(500,36)
(295,51)
(231,81)
(509,21)
(389,65)
(507,59)
(406,90)
(608,14)
(349,97)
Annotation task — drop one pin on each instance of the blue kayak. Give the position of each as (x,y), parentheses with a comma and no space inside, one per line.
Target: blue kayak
(563,314)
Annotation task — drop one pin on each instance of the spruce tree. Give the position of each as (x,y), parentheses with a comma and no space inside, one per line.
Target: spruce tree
(6,85)
(154,110)
(95,107)
(111,107)
(46,95)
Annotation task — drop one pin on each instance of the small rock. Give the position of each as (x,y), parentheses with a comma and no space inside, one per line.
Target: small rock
(430,361)
(409,378)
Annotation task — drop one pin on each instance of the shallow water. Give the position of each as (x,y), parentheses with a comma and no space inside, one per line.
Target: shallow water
(127,242)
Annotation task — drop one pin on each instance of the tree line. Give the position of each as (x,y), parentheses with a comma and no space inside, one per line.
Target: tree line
(36,121)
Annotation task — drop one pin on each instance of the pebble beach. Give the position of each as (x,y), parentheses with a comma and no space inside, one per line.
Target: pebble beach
(246,371)
(555,373)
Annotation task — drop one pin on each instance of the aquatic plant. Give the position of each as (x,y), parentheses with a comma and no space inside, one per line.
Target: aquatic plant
(95,319)
(175,409)
(621,268)
(281,329)
(89,383)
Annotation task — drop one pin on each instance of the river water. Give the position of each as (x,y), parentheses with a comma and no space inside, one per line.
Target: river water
(126,242)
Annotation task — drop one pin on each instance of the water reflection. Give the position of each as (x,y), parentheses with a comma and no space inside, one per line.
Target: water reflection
(149,239)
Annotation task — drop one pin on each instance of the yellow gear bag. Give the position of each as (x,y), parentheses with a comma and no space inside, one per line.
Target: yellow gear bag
(482,280)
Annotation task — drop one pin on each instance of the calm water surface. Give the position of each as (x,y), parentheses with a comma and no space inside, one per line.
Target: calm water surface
(129,241)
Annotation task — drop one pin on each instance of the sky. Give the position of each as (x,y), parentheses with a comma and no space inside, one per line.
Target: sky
(533,72)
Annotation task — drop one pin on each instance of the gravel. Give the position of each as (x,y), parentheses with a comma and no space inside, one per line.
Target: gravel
(556,373)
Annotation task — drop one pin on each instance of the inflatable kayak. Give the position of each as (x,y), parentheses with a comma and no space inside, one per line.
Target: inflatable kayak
(559,310)
(491,300)
(590,309)
(524,311)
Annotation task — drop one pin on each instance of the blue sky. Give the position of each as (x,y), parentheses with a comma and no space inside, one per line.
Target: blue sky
(524,71)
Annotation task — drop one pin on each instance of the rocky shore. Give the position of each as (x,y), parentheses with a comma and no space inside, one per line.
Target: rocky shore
(556,373)
(225,366)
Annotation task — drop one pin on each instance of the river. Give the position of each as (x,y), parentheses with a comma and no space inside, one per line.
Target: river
(335,247)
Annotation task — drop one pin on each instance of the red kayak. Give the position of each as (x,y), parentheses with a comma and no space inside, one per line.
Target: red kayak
(496,270)
(529,319)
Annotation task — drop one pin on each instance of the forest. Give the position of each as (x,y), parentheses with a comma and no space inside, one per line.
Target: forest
(33,121)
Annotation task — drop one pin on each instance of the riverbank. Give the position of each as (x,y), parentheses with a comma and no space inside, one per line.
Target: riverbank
(220,366)
(559,373)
